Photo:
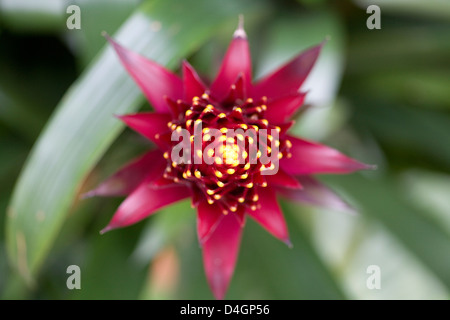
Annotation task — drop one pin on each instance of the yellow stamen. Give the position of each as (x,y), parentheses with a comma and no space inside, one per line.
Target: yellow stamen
(231,171)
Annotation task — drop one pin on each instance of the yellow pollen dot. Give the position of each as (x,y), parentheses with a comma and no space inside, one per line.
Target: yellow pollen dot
(197,174)
(250,140)
(189,173)
(249,100)
(289,155)
(255,127)
(219,174)
(169,124)
(174,164)
(264,107)
(277,143)
(264,184)
(230,140)
(173,127)
(205,96)
(244,126)
(265,122)
(233,209)
(205,130)
(264,99)
(157,136)
(223,130)
(176,180)
(179,129)
(258,154)
(280,155)
(258,109)
(188,113)
(165,175)
(166,155)
(255,198)
(269,137)
(249,185)
(225,212)
(240,137)
(241,200)
(210,192)
(288,144)
(217,196)
(210,201)
(188,123)
(220,184)
(238,109)
(269,150)
(206,137)
(247,166)
(195,98)
(210,153)
(244,176)
(244,154)
(218,160)
(222,138)
(277,128)
(191,138)
(185,175)
(231,171)
(253,207)
(199,153)
(222,115)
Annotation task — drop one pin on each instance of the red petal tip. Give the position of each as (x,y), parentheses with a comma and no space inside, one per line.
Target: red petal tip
(289,243)
(88,195)
(240,32)
(106,229)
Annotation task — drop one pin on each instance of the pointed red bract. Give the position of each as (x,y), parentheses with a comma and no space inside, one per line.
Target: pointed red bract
(144,201)
(220,253)
(281,109)
(269,214)
(287,79)
(155,81)
(193,85)
(223,193)
(283,179)
(237,62)
(317,194)
(313,158)
(150,125)
(208,217)
(148,167)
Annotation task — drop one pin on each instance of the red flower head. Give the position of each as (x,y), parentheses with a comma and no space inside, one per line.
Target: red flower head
(226,146)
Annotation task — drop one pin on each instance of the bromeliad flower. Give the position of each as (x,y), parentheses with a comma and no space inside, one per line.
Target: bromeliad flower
(226,146)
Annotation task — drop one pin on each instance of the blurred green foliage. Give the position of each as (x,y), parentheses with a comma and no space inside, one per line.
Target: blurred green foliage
(378,95)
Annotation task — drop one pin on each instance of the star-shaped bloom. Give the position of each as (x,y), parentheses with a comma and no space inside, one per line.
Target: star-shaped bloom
(237,154)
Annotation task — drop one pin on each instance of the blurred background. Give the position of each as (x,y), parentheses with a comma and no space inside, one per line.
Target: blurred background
(381,96)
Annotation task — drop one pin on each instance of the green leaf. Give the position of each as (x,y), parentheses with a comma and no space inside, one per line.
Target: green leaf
(379,198)
(83,126)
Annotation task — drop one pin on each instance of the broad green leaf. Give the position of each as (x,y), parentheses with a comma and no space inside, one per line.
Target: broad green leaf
(380,199)
(83,126)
